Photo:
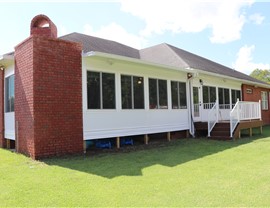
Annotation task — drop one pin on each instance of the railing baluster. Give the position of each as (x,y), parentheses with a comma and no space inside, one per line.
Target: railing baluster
(244,111)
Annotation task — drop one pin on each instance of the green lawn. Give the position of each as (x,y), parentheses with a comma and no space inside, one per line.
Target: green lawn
(187,172)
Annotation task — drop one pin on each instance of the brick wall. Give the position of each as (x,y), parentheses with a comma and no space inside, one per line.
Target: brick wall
(2,110)
(24,97)
(48,92)
(252,93)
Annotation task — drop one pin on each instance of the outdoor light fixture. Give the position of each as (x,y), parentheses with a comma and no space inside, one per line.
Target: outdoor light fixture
(201,82)
(189,75)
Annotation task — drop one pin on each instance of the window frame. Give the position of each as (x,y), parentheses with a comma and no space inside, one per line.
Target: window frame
(9,102)
(101,93)
(178,93)
(264,102)
(209,104)
(132,92)
(223,105)
(157,92)
(234,94)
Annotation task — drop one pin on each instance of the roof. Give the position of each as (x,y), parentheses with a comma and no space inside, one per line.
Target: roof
(170,55)
(163,54)
(91,43)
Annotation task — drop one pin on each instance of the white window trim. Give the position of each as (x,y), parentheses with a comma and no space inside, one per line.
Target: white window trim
(264,97)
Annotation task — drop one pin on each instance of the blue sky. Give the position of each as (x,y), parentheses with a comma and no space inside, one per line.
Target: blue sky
(233,33)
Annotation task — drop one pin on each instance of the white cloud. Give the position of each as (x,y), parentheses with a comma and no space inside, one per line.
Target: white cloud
(224,18)
(244,61)
(117,33)
(256,18)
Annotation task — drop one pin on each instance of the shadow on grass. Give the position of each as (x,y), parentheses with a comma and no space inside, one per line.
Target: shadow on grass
(132,163)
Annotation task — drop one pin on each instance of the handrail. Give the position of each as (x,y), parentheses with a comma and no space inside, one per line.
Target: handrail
(244,110)
(212,117)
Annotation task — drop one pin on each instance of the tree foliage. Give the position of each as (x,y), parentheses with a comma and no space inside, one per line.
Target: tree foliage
(261,74)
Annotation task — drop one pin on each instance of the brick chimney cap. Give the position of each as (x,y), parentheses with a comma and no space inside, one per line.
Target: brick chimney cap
(42,25)
(40,20)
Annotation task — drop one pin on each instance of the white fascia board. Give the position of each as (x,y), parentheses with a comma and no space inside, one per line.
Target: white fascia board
(138,61)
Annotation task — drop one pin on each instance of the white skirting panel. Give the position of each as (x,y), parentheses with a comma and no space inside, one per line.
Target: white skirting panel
(113,123)
(10,126)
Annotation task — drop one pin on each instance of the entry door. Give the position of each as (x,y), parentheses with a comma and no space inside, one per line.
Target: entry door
(197,103)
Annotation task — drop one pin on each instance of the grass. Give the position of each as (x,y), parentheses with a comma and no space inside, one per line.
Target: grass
(188,172)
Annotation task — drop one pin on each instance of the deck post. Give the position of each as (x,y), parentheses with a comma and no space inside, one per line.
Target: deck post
(239,135)
(84,146)
(169,136)
(8,144)
(146,139)
(261,129)
(250,132)
(117,142)
(187,134)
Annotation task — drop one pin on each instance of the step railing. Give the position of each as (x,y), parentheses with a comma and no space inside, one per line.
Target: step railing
(244,110)
(212,117)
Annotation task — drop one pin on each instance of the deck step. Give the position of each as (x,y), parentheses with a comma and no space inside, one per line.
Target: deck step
(221,131)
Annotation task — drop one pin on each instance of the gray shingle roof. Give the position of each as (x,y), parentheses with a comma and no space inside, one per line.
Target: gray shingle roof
(172,56)
(91,43)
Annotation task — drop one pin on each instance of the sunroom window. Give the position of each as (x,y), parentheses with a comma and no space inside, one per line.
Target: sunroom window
(132,92)
(9,94)
(100,90)
(209,97)
(179,97)
(158,94)
(224,98)
(235,94)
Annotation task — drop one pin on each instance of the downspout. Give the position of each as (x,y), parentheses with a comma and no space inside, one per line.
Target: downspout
(192,128)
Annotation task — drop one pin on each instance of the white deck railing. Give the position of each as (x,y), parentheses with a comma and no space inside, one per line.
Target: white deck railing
(244,111)
(212,117)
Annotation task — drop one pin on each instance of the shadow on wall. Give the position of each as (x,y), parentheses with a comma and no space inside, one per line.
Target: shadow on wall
(176,152)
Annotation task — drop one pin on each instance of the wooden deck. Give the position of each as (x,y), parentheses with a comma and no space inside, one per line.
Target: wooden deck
(221,130)
(247,125)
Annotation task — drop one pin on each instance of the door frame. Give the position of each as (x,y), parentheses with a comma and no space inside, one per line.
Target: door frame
(197,116)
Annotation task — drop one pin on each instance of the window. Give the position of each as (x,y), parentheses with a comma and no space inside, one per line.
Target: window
(236,94)
(224,98)
(9,95)
(132,91)
(100,90)
(264,100)
(209,97)
(179,97)
(158,94)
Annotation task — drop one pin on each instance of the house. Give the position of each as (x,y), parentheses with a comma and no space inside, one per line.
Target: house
(58,92)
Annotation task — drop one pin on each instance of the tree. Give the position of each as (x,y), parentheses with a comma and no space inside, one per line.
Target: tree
(261,74)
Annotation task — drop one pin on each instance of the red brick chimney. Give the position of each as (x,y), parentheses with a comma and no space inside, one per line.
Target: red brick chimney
(48,93)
